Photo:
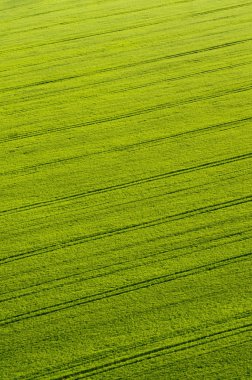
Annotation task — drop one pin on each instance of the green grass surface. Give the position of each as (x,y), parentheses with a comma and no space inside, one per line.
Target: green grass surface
(125,185)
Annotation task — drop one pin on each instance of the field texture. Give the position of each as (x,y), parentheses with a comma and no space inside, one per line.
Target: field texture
(125,189)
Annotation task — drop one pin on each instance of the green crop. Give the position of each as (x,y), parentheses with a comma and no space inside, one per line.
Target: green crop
(125,189)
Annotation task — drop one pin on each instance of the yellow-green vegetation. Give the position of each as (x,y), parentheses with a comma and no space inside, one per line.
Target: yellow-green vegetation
(125,185)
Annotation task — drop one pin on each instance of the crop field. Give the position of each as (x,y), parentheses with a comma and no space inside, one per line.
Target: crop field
(125,189)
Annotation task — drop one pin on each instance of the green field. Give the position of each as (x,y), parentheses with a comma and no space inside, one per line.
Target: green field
(125,189)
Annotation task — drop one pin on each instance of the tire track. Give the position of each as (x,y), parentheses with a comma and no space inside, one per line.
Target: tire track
(157,352)
(125,185)
(79,20)
(90,17)
(138,145)
(82,361)
(223,9)
(137,244)
(124,289)
(221,251)
(91,35)
(129,228)
(139,112)
(78,277)
(127,65)
(47,95)
(181,77)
